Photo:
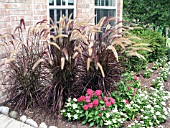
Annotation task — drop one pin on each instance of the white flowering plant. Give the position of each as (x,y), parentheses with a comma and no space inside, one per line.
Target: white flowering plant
(144,107)
(164,73)
(147,73)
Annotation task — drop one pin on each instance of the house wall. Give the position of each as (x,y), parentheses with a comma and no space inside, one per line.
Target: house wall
(32,11)
(11,11)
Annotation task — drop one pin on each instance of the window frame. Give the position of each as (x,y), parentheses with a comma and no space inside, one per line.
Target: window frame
(106,7)
(56,7)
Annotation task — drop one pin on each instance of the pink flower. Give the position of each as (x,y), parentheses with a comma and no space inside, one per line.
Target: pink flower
(128,87)
(108,104)
(95,102)
(100,114)
(112,101)
(106,99)
(85,107)
(127,102)
(99,97)
(81,98)
(90,105)
(89,92)
(97,92)
(87,99)
(135,89)
(136,78)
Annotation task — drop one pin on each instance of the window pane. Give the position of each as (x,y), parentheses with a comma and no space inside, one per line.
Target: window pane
(104,12)
(63,2)
(70,11)
(51,2)
(58,2)
(52,14)
(70,2)
(96,2)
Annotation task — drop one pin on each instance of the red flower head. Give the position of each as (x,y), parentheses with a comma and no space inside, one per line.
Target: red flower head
(87,99)
(128,87)
(97,92)
(136,78)
(81,98)
(106,99)
(112,101)
(100,114)
(90,105)
(127,102)
(85,107)
(89,92)
(99,97)
(108,104)
(95,102)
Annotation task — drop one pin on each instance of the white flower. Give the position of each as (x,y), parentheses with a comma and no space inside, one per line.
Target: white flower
(152,110)
(164,117)
(69,99)
(74,99)
(69,115)
(160,126)
(128,106)
(63,110)
(158,113)
(148,106)
(163,103)
(115,110)
(120,120)
(108,122)
(151,123)
(157,106)
(142,122)
(113,120)
(107,115)
(68,104)
(77,111)
(157,121)
(146,117)
(154,116)
(75,117)
(74,106)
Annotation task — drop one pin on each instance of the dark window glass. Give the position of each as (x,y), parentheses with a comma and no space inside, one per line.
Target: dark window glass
(58,2)
(63,2)
(104,12)
(70,11)
(70,2)
(52,14)
(51,2)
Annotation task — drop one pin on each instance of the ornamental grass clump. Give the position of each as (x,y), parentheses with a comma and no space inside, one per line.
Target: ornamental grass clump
(22,50)
(54,62)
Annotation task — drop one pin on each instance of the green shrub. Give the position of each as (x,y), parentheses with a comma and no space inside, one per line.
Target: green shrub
(156,41)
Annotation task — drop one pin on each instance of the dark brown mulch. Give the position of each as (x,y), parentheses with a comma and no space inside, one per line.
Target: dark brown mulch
(41,116)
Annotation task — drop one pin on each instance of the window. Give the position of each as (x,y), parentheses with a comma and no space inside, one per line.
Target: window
(104,8)
(57,8)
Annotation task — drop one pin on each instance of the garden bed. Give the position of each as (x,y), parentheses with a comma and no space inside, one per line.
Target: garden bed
(39,115)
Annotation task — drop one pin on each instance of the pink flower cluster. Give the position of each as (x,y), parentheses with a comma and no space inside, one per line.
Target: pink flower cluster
(94,102)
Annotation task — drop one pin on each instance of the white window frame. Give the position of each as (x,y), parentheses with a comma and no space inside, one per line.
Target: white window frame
(107,7)
(58,7)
